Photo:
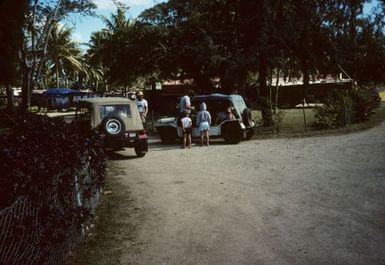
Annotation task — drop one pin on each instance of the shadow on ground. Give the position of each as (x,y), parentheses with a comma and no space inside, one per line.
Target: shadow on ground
(158,146)
(115,156)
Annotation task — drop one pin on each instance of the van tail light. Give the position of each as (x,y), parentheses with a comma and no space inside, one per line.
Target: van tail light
(142,135)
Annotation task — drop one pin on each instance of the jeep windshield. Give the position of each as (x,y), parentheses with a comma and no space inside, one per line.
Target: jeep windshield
(118,110)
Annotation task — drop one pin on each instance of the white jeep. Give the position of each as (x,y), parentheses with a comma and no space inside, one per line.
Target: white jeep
(232,130)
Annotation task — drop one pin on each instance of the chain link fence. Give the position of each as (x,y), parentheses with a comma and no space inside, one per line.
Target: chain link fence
(22,227)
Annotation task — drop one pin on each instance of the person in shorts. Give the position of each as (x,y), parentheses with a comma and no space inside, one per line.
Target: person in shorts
(203,123)
(185,105)
(187,129)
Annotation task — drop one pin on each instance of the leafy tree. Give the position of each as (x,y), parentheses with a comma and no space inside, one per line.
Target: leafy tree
(233,40)
(105,46)
(41,18)
(12,15)
(63,54)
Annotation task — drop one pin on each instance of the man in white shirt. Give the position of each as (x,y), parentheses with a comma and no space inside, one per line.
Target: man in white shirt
(185,106)
(185,102)
(142,105)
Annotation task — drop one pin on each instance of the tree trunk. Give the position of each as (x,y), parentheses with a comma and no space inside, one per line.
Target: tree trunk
(26,87)
(57,76)
(276,92)
(264,100)
(10,98)
(271,93)
(306,79)
(32,67)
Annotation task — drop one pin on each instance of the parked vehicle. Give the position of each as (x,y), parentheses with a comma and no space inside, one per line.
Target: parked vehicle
(117,119)
(241,127)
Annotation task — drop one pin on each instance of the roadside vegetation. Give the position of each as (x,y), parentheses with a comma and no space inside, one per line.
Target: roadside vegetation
(382,95)
(292,124)
(51,175)
(116,222)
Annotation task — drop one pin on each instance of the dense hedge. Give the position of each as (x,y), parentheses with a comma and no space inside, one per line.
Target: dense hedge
(341,108)
(39,158)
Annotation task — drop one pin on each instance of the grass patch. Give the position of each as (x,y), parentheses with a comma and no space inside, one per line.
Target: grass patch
(4,130)
(115,228)
(293,125)
(382,95)
(292,121)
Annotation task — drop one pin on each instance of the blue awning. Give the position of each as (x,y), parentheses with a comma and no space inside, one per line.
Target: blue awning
(60,91)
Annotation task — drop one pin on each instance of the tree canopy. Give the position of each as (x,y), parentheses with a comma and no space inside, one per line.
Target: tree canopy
(228,40)
(212,41)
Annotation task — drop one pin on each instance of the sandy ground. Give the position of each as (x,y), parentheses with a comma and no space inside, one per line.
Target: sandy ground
(283,201)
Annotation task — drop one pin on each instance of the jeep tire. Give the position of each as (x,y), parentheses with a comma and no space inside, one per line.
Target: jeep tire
(139,151)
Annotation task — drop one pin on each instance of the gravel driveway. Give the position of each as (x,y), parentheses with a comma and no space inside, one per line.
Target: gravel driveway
(283,201)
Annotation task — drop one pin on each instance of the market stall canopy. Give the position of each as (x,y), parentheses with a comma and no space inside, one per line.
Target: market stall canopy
(60,91)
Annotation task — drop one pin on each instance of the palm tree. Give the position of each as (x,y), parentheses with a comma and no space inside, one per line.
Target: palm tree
(64,54)
(106,44)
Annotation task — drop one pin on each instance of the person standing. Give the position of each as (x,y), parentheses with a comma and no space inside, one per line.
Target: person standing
(185,106)
(185,102)
(203,122)
(187,129)
(142,106)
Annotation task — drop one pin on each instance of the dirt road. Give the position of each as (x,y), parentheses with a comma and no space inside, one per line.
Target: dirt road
(284,201)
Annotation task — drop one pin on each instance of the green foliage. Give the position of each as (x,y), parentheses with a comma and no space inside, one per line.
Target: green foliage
(41,18)
(40,157)
(63,58)
(39,148)
(341,109)
(333,111)
(365,102)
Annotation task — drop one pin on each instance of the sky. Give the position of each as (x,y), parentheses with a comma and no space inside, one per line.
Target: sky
(84,26)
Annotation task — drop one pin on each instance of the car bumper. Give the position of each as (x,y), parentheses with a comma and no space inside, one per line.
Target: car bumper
(128,139)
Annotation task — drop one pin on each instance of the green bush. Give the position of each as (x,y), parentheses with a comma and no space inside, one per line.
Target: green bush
(334,112)
(37,149)
(365,102)
(39,158)
(341,109)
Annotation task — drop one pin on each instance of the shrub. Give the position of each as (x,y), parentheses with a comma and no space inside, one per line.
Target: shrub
(39,159)
(341,109)
(334,112)
(365,102)
(39,148)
